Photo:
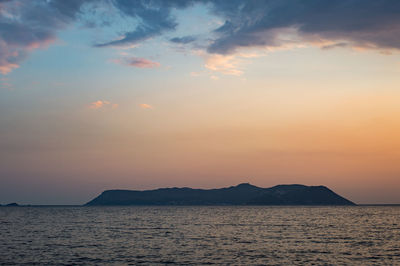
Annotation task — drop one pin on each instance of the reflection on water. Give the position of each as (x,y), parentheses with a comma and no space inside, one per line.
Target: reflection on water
(200,235)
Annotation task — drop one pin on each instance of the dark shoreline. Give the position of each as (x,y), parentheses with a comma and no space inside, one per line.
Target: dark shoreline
(204,205)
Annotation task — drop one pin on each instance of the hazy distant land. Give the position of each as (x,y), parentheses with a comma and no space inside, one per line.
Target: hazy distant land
(242,194)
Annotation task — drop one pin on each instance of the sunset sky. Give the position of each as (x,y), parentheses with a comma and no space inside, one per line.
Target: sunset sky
(105,94)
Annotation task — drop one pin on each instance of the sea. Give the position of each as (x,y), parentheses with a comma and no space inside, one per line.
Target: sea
(200,235)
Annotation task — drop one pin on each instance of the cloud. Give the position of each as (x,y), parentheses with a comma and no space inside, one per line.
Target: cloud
(154,18)
(29,25)
(183,40)
(145,106)
(6,66)
(268,24)
(98,104)
(364,23)
(260,23)
(225,64)
(137,62)
(102,104)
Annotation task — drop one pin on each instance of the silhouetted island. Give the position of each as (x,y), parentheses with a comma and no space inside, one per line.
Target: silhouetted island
(12,205)
(242,194)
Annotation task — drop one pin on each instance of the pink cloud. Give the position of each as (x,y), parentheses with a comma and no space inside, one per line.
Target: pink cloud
(8,57)
(7,67)
(137,62)
(11,54)
(224,64)
(145,106)
(97,104)
(102,104)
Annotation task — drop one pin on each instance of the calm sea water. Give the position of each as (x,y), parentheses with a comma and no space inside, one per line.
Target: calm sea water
(200,235)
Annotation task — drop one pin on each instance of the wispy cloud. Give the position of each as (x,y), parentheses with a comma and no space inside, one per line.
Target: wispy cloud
(102,104)
(145,106)
(137,62)
(224,64)
(183,40)
(154,18)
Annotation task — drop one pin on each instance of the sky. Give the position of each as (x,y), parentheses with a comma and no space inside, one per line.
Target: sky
(117,94)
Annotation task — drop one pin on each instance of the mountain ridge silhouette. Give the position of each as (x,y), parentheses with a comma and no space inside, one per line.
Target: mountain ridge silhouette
(242,194)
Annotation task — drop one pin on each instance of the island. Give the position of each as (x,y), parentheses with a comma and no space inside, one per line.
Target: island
(12,205)
(242,194)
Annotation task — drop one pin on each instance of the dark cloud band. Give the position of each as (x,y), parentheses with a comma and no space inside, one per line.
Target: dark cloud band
(370,23)
(27,24)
